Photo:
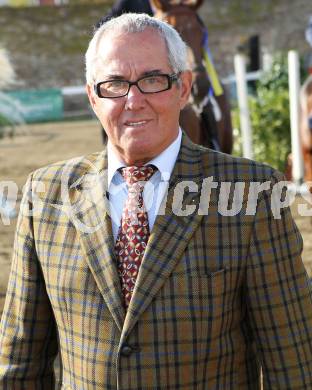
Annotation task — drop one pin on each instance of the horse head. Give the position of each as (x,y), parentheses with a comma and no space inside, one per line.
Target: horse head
(165,5)
(181,14)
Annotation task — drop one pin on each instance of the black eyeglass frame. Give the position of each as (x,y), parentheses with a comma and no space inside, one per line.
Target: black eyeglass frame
(170,77)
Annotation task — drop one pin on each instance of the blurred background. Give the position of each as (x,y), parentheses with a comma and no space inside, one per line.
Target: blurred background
(45,115)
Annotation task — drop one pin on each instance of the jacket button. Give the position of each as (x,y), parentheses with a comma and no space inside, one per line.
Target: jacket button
(126,350)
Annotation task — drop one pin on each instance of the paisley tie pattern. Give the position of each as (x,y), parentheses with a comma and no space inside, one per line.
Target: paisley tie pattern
(134,229)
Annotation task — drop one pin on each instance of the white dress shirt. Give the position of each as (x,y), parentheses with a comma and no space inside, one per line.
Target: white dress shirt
(154,190)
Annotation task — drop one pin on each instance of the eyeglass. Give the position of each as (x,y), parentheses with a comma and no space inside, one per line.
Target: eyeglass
(148,84)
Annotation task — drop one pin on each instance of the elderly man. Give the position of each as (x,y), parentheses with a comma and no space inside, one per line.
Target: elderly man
(135,260)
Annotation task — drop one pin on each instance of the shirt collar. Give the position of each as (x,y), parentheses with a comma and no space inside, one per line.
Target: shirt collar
(113,163)
(164,161)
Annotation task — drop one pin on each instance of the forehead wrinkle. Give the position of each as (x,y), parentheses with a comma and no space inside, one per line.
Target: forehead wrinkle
(118,76)
(122,74)
(123,69)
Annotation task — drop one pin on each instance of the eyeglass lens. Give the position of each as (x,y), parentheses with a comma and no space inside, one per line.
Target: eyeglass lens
(150,84)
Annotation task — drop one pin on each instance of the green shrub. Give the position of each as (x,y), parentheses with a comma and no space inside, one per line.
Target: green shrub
(270,117)
(4,123)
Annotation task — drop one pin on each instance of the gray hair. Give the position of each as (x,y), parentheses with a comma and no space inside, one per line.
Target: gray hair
(135,23)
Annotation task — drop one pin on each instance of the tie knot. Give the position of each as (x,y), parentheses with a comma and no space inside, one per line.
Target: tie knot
(134,174)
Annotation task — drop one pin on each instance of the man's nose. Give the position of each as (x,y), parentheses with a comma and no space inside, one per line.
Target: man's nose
(135,98)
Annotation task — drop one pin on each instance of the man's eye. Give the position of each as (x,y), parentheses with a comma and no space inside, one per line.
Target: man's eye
(152,80)
(115,84)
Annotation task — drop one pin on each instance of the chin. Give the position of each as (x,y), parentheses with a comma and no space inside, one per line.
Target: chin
(139,153)
(139,145)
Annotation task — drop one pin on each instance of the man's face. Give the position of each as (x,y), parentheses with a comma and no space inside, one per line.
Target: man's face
(139,126)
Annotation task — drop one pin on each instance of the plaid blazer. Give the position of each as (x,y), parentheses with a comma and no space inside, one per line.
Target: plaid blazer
(218,297)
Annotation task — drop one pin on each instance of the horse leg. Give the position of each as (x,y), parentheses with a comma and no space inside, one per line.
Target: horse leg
(190,123)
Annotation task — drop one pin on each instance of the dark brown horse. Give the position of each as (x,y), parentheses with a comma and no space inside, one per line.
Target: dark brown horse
(207,118)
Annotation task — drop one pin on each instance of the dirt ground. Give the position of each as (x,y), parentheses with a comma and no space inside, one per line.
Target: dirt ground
(37,146)
(46,143)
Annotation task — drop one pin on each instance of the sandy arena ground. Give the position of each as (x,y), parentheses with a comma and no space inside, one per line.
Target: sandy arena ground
(46,143)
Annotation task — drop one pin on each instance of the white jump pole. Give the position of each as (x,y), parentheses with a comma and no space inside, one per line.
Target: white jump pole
(242,95)
(294,101)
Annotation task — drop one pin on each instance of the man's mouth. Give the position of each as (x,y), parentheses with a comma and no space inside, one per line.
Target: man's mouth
(136,123)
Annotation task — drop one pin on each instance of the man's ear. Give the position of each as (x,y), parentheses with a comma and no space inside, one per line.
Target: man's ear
(91,96)
(186,78)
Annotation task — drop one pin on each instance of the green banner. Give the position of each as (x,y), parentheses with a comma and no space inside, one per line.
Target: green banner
(38,105)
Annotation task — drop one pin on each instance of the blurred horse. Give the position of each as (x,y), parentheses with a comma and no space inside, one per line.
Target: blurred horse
(305,133)
(206,118)
(306,127)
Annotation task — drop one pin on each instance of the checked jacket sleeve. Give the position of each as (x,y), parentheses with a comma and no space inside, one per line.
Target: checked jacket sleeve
(279,299)
(28,343)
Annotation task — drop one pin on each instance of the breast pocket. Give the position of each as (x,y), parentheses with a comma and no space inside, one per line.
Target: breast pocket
(192,310)
(219,302)
(211,294)
(199,297)
(209,283)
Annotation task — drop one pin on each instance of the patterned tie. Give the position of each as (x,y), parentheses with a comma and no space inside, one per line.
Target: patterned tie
(134,229)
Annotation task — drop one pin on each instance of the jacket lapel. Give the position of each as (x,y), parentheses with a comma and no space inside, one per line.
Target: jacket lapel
(169,237)
(94,227)
(170,234)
